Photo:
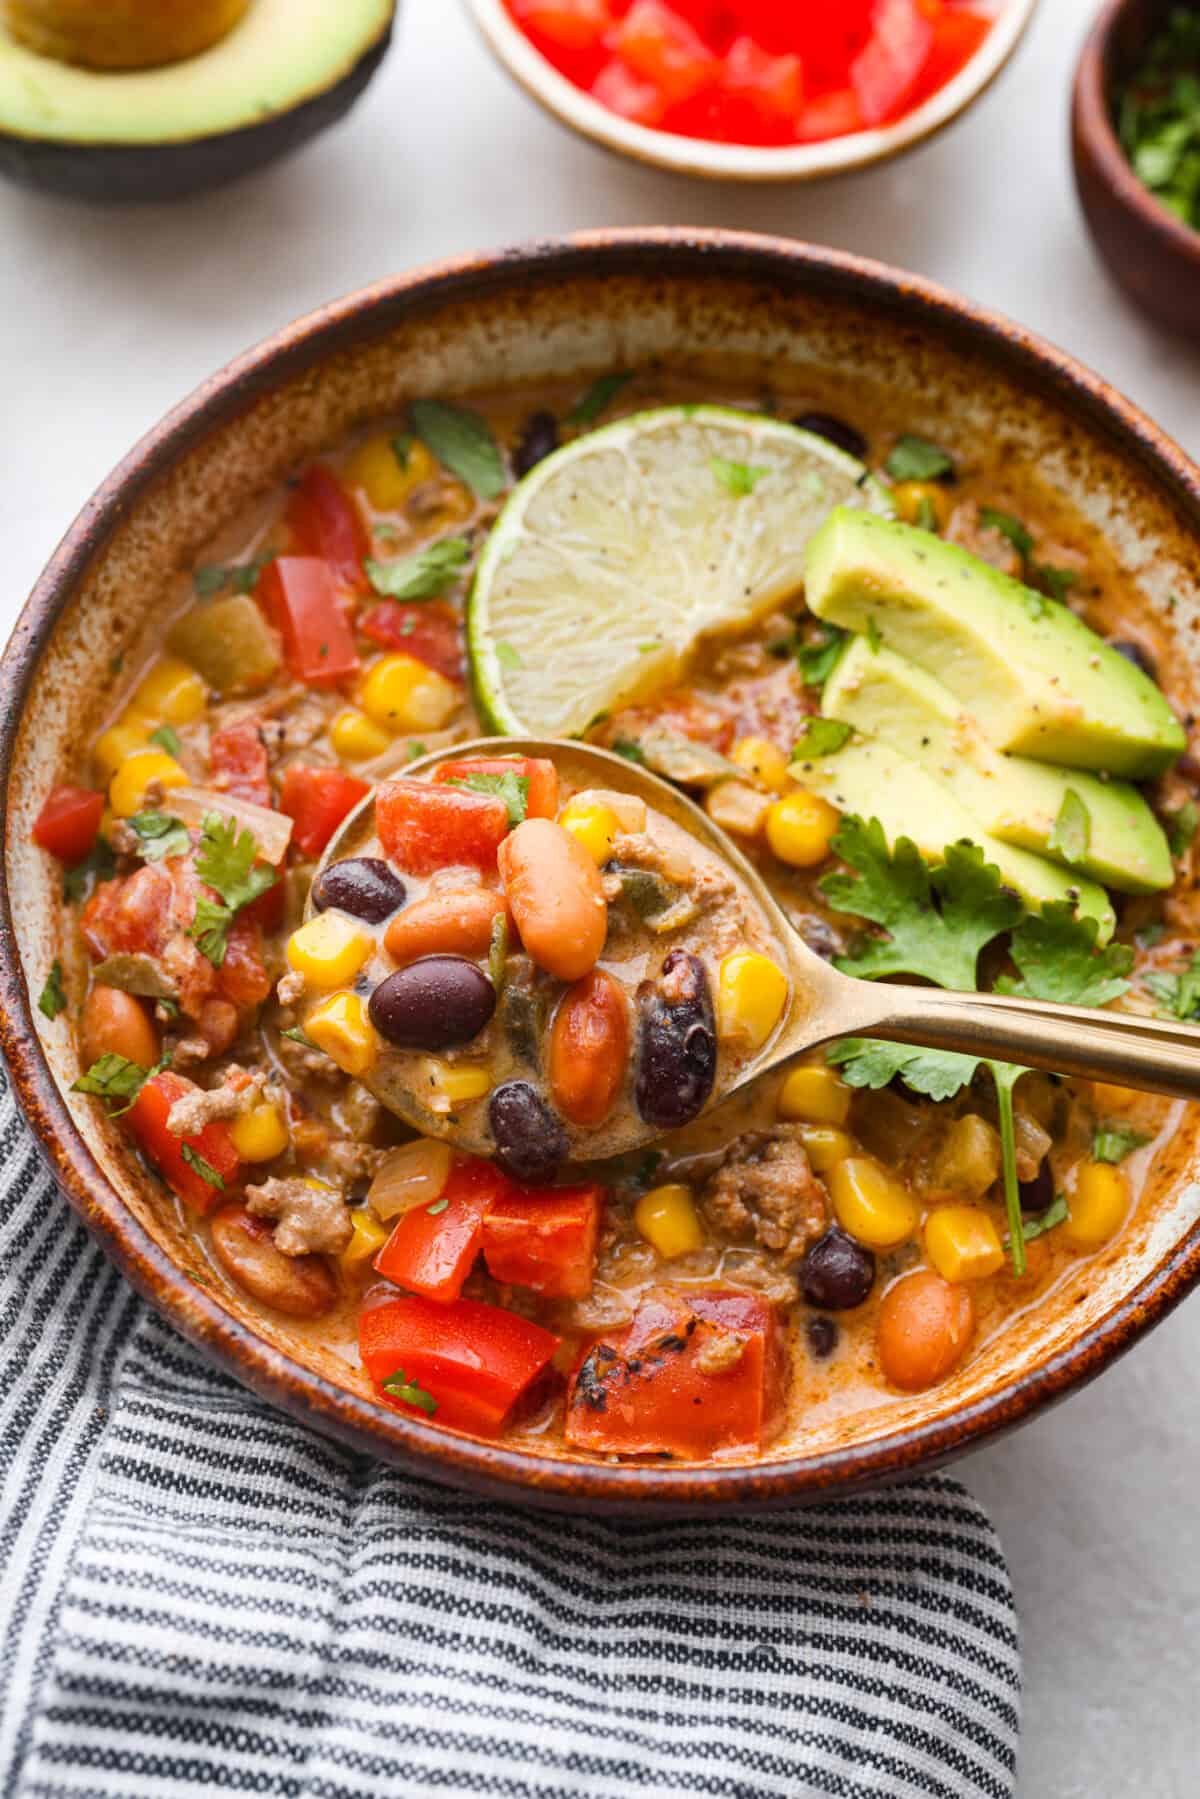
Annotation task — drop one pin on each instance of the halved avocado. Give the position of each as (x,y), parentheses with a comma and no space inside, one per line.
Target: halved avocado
(265,88)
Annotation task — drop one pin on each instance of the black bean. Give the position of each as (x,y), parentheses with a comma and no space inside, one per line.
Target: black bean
(1038,1194)
(822,1334)
(837,1273)
(531,1144)
(677,1043)
(434,1003)
(538,440)
(1133,652)
(363,886)
(835,431)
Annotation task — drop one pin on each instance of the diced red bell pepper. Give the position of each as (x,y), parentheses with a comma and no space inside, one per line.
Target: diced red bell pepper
(474,1360)
(68,822)
(655,43)
(697,1375)
(760,96)
(545,1239)
(300,594)
(326,523)
(317,800)
(424,827)
(430,631)
(237,762)
(542,798)
(433,1248)
(213,1145)
(835,114)
(885,73)
(628,95)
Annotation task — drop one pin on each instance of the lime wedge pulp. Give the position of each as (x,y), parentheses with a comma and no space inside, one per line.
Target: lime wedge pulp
(615,554)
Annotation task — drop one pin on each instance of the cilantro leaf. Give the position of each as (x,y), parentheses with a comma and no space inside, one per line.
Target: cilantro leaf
(1056,954)
(114,1077)
(167,739)
(210,929)
(821,737)
(98,865)
(400,1387)
(1178,994)
(937,922)
(422,576)
(737,477)
(1057,582)
(1113,1144)
(598,397)
(1071,836)
(242,577)
(1017,534)
(628,747)
(512,788)
(1041,1222)
(916,459)
(204,1169)
(160,835)
(463,443)
(53,999)
(817,660)
(868,1062)
(227,861)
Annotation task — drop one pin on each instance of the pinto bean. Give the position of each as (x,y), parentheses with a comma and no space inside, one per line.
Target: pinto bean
(589,1049)
(557,897)
(925,1325)
(115,1023)
(455,924)
(299,1286)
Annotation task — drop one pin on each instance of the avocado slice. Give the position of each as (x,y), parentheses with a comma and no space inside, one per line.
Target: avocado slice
(1017,800)
(158,133)
(1035,678)
(872,779)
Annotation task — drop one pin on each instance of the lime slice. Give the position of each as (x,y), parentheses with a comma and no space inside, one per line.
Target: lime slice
(615,554)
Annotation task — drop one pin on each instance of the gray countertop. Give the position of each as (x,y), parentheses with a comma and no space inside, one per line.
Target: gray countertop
(110,318)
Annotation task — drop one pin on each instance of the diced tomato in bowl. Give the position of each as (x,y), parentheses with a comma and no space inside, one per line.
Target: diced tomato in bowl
(428,630)
(424,826)
(68,822)
(317,800)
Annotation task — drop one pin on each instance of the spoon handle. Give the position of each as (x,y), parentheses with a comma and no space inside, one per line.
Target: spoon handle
(1157,1054)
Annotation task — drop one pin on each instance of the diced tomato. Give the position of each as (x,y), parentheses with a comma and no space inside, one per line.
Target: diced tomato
(135,913)
(269,910)
(424,827)
(474,1360)
(542,797)
(628,95)
(564,24)
(830,115)
(68,822)
(327,524)
(213,1145)
(663,49)
(242,978)
(317,800)
(301,595)
(698,1375)
(885,73)
(237,762)
(545,1239)
(433,1248)
(430,631)
(957,36)
(760,96)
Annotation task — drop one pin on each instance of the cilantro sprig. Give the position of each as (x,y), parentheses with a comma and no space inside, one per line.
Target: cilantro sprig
(115,1078)
(821,737)
(53,999)
(1044,576)
(463,443)
(512,788)
(410,1391)
(818,659)
(227,862)
(159,835)
(422,576)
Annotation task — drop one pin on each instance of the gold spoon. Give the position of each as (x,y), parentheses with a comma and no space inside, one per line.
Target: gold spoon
(1158,1055)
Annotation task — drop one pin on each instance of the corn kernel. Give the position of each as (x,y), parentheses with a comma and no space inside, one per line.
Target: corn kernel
(800,828)
(260,1135)
(127,789)
(400,694)
(170,693)
(1097,1207)
(815,1094)
(871,1204)
(444,1085)
(328,951)
(922,503)
(593,825)
(386,478)
(120,741)
(355,738)
(752,992)
(668,1220)
(1108,1099)
(763,761)
(368,1239)
(963,1243)
(737,807)
(340,1026)
(825,1146)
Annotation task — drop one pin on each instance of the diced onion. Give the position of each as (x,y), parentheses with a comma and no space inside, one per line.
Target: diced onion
(271,831)
(410,1176)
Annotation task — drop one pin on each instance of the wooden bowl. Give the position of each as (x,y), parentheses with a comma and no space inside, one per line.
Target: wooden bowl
(568,310)
(1152,254)
(746,162)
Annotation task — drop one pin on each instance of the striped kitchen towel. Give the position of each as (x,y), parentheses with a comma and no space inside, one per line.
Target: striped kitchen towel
(200,1596)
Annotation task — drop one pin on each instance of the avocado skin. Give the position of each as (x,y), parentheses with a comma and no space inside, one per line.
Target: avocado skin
(132,174)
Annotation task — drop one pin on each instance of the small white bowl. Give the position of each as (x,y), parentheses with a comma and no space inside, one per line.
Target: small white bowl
(747,162)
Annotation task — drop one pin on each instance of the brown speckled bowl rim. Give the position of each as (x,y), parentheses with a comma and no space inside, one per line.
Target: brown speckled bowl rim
(493,1468)
(1094,126)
